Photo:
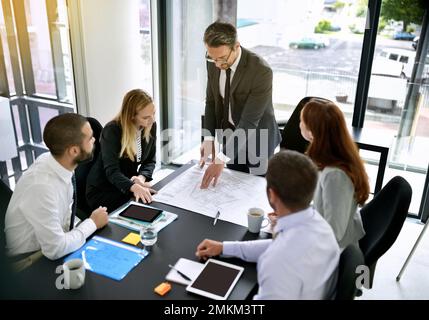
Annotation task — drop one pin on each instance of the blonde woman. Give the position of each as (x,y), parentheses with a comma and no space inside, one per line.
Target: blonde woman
(126,160)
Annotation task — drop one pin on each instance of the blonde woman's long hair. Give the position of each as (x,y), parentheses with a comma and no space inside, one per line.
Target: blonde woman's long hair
(134,101)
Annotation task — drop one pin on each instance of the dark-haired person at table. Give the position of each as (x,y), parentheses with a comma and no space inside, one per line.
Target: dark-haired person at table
(40,211)
(343,182)
(301,261)
(124,166)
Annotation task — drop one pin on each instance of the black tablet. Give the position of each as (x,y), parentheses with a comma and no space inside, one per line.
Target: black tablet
(141,213)
(216,280)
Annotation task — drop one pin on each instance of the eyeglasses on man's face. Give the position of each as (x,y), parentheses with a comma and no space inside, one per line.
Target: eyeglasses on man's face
(219,61)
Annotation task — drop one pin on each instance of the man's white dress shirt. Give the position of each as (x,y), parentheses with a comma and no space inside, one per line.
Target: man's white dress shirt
(300,263)
(38,216)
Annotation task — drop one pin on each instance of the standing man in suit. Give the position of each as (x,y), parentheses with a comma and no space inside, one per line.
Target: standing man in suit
(238,108)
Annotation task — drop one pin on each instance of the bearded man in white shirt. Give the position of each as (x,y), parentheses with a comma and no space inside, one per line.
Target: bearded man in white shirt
(301,262)
(40,210)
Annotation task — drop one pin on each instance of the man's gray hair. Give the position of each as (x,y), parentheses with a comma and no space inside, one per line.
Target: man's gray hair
(220,34)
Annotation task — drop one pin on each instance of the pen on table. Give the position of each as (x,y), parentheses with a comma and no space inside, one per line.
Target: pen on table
(216,217)
(180,272)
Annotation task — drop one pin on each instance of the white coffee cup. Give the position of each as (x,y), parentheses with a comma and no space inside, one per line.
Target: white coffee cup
(74,273)
(255,217)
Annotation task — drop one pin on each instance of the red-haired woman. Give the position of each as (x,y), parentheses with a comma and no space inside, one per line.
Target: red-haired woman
(343,182)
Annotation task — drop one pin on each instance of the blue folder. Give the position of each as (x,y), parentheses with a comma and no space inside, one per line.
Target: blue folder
(108,258)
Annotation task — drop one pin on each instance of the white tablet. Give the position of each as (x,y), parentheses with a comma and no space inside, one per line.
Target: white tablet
(216,280)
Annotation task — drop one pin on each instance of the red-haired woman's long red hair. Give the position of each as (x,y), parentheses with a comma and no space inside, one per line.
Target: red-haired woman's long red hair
(332,144)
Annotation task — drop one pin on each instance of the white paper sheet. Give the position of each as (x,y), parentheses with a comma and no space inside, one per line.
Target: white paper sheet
(191,268)
(233,195)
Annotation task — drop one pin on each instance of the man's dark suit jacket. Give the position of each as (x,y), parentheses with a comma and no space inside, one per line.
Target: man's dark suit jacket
(111,173)
(250,100)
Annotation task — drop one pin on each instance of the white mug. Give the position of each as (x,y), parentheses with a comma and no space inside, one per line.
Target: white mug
(74,273)
(255,217)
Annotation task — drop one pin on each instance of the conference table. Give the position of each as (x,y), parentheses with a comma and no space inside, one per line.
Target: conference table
(177,240)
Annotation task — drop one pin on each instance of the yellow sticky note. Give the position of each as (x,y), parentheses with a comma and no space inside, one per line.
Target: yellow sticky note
(132,238)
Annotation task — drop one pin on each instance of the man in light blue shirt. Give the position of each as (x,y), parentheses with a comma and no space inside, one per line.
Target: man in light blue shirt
(301,262)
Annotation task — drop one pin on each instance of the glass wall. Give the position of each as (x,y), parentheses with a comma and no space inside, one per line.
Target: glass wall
(314,50)
(146,45)
(186,22)
(6,52)
(313,47)
(40,46)
(38,68)
(64,32)
(398,109)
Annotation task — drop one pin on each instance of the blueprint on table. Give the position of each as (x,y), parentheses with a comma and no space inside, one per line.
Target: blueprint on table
(233,195)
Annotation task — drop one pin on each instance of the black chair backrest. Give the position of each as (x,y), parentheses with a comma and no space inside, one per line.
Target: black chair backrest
(11,287)
(5,195)
(82,171)
(383,218)
(350,259)
(291,133)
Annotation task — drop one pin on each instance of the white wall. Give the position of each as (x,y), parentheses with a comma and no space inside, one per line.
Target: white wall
(106,54)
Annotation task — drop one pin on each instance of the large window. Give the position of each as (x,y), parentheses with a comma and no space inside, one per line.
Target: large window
(36,56)
(8,87)
(398,104)
(41,54)
(313,47)
(146,45)
(187,77)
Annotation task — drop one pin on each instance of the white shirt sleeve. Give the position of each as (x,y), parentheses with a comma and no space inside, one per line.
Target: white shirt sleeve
(42,213)
(246,250)
(220,155)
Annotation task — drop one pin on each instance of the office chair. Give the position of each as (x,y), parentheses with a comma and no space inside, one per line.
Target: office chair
(82,171)
(350,259)
(291,133)
(293,140)
(12,287)
(5,195)
(382,219)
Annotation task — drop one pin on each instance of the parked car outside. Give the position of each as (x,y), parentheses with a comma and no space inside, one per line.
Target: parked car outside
(403,36)
(307,43)
(399,63)
(335,28)
(394,62)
